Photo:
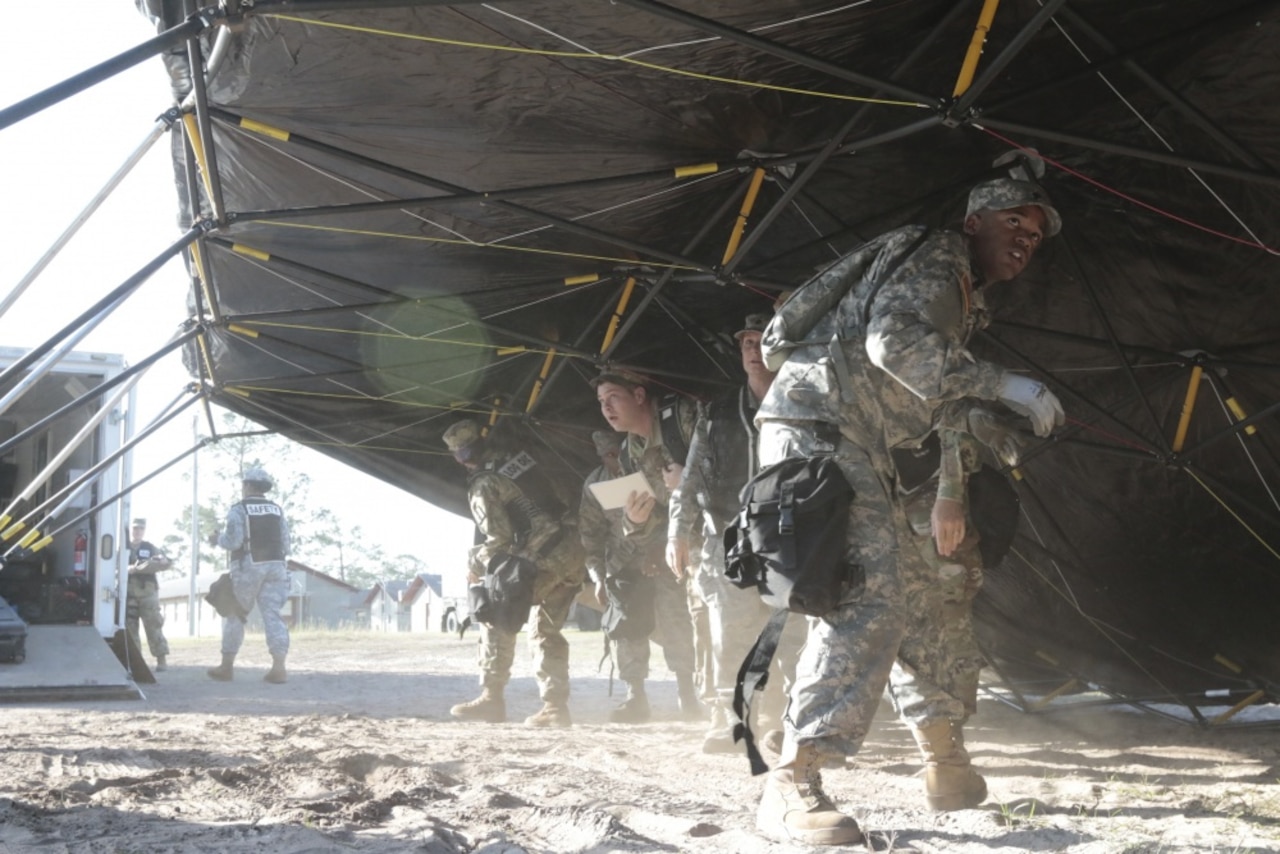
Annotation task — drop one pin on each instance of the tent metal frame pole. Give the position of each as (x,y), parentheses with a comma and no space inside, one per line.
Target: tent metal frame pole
(1238,500)
(528,213)
(190,28)
(960,108)
(771,48)
(107,189)
(398,300)
(96,391)
(653,289)
(1022,357)
(589,328)
(301,7)
(1260,415)
(196,69)
(829,150)
(1166,159)
(1198,31)
(1115,344)
(122,290)
(1188,110)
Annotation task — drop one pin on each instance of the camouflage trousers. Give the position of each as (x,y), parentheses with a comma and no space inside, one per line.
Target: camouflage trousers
(949,659)
(557,584)
(736,617)
(673,631)
(844,667)
(266,585)
(143,605)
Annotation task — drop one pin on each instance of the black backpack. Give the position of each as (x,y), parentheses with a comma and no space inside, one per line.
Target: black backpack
(630,613)
(788,542)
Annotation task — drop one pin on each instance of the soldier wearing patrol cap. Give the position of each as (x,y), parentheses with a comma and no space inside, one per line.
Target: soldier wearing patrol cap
(722,458)
(895,317)
(142,602)
(257,536)
(519,510)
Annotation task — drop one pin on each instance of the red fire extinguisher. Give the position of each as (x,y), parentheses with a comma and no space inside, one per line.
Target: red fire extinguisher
(81,547)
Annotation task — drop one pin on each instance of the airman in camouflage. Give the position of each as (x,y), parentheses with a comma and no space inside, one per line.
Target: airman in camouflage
(519,511)
(639,573)
(891,322)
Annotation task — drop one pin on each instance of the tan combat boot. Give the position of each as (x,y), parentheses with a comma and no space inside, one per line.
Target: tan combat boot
(489,707)
(225,671)
(950,783)
(276,675)
(794,807)
(634,709)
(554,713)
(161,664)
(719,737)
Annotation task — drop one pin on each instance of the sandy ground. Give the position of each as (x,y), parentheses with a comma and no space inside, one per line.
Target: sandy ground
(358,753)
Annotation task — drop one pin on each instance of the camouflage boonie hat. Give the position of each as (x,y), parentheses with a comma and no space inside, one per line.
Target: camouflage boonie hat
(139,522)
(606,442)
(1002,194)
(753,323)
(462,434)
(619,376)
(258,475)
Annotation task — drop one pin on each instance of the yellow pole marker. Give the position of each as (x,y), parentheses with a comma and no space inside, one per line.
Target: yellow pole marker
(1238,411)
(617,313)
(242,330)
(696,170)
(230,389)
(38,546)
(197,147)
(493,416)
(32,536)
(970,65)
(241,249)
(1188,406)
(1228,663)
(1017,474)
(14,531)
(510,351)
(5,520)
(740,225)
(1238,707)
(1069,685)
(582,280)
(542,378)
(265,129)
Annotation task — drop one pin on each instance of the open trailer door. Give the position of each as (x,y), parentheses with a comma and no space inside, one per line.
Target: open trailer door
(63,463)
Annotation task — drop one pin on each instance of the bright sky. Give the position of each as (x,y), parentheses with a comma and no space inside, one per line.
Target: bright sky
(51,167)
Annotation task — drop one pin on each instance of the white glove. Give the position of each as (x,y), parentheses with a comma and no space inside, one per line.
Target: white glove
(1033,399)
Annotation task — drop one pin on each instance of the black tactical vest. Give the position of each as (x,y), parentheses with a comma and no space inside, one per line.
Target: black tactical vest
(731,452)
(538,495)
(266,529)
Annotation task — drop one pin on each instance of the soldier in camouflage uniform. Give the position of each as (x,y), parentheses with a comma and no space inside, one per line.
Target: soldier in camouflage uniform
(722,458)
(894,317)
(257,535)
(518,511)
(142,603)
(639,573)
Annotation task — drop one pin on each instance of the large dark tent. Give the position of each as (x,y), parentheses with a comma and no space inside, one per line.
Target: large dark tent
(403,211)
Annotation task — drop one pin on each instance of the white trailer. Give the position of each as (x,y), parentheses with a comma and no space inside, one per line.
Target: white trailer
(65,430)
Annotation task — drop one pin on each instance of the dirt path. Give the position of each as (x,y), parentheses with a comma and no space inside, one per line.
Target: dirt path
(358,753)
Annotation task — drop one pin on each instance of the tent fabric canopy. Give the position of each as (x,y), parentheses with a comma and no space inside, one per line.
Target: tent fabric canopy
(422,210)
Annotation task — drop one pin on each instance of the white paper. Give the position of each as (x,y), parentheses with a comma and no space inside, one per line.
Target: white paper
(612,494)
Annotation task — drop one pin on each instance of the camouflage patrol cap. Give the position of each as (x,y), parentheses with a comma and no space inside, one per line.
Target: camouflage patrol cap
(139,522)
(619,376)
(753,323)
(606,442)
(258,475)
(462,435)
(1003,194)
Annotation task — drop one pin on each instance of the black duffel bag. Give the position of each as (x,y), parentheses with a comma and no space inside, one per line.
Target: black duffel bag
(788,541)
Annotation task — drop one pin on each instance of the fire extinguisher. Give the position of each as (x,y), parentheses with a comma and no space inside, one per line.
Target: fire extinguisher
(81,547)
